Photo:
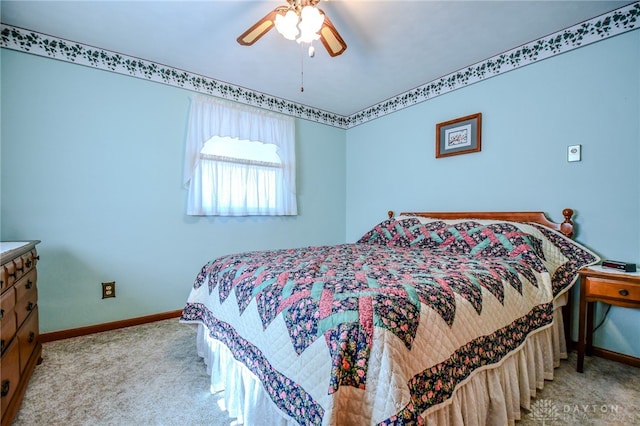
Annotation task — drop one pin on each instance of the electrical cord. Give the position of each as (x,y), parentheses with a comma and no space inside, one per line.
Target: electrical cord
(604,317)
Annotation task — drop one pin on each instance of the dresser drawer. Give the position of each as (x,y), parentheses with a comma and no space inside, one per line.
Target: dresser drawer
(9,373)
(9,275)
(29,260)
(602,287)
(8,330)
(26,296)
(25,263)
(7,302)
(28,337)
(26,284)
(18,267)
(4,279)
(7,318)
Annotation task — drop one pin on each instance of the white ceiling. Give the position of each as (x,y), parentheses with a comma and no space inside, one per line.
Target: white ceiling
(393,46)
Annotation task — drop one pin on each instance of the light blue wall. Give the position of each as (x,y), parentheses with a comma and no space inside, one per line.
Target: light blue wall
(589,96)
(92,167)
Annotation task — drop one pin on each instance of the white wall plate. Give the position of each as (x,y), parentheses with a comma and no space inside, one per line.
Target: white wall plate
(574,153)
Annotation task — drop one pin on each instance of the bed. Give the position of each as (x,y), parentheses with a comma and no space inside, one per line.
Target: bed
(429,318)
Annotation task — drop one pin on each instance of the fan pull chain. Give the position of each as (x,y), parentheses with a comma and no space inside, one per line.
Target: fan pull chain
(312,53)
(301,68)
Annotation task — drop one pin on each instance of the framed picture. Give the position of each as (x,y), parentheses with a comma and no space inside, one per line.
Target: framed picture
(459,136)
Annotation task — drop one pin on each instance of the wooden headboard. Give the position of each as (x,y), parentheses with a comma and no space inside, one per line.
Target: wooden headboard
(565,227)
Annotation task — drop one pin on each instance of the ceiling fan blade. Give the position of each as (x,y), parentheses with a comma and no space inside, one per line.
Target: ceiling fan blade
(258,29)
(330,38)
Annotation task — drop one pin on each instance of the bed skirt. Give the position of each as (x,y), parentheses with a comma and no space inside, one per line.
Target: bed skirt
(491,396)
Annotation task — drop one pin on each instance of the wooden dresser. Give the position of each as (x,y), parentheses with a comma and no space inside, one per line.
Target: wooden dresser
(21,347)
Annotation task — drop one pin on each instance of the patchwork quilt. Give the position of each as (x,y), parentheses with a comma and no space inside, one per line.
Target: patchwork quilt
(385,329)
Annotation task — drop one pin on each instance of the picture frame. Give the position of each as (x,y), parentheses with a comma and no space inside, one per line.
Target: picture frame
(459,136)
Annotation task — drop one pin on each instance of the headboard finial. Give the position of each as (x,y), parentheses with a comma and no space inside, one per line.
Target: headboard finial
(390,213)
(566,227)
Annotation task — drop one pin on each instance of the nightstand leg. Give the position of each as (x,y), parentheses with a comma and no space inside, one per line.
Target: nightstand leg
(567,314)
(589,331)
(581,328)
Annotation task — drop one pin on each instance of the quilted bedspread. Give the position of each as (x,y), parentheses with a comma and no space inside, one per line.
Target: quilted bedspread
(383,330)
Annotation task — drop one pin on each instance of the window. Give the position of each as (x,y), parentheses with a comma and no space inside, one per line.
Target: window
(239,175)
(239,160)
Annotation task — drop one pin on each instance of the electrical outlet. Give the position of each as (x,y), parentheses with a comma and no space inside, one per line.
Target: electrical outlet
(109,289)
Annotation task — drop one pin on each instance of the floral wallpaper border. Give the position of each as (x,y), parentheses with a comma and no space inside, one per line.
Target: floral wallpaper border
(608,25)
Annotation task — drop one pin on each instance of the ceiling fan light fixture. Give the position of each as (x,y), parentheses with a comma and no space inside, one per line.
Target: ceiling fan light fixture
(310,23)
(301,21)
(287,24)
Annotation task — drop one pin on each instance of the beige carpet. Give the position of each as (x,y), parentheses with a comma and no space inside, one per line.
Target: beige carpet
(143,375)
(607,393)
(151,375)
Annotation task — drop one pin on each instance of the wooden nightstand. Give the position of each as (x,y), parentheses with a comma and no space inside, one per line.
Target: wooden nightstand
(598,284)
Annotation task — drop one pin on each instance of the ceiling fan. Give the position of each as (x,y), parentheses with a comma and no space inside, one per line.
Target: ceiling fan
(302,21)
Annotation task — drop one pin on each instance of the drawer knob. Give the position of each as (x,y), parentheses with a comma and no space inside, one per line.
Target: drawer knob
(28,285)
(28,263)
(6,385)
(30,306)
(1,314)
(623,292)
(32,337)
(1,345)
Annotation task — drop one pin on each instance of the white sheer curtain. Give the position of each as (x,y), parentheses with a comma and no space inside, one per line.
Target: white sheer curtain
(210,117)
